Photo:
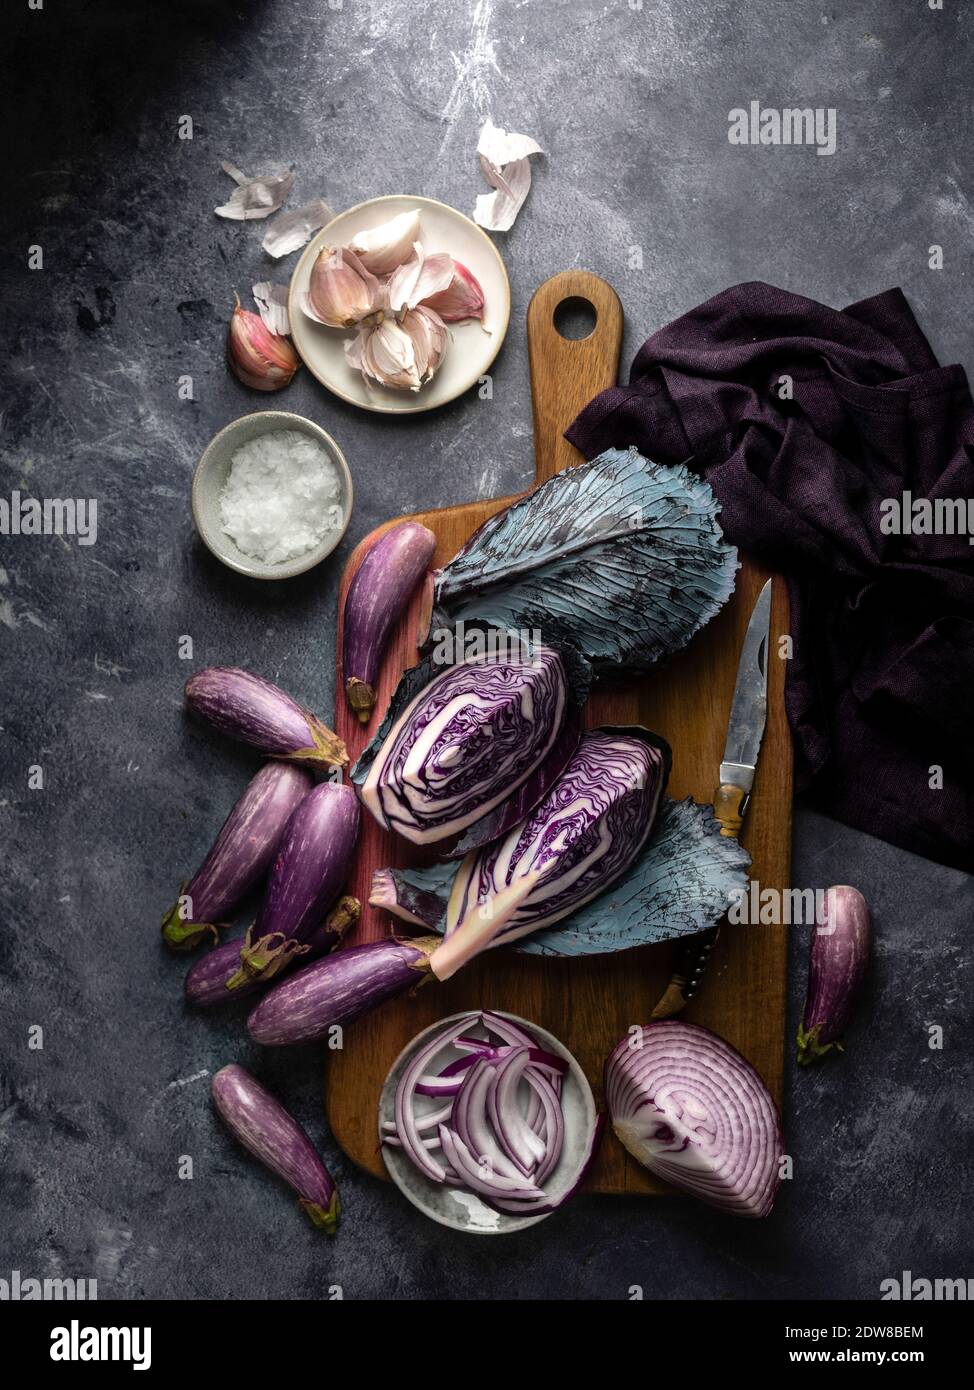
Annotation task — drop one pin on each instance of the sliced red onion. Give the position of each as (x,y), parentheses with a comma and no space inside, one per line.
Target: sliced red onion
(516,1137)
(405,1116)
(478,1176)
(470,1123)
(487,1142)
(691,1109)
(554,1124)
(430,1121)
(542,1208)
(448,1082)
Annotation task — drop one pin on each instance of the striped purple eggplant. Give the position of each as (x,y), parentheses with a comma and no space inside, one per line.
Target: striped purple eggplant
(335,991)
(311,864)
(251,709)
(207,980)
(377,597)
(240,856)
(275,1138)
(837,963)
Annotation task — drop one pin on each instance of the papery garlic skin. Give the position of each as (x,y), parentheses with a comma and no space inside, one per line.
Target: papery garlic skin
(384,353)
(384,248)
(419,278)
(341,292)
(462,299)
(257,357)
(429,336)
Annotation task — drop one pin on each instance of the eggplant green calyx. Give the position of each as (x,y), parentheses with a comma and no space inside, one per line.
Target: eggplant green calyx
(182,935)
(422,964)
(263,959)
(809,1047)
(327,749)
(325,1218)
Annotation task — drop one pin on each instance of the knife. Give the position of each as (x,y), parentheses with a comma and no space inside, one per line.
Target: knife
(744,733)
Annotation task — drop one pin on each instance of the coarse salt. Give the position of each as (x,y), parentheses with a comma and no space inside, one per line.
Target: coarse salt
(282,496)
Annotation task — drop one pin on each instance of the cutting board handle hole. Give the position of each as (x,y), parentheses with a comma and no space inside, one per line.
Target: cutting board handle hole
(575,317)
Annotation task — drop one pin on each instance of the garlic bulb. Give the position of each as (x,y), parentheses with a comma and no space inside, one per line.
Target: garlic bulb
(341,292)
(462,299)
(383,249)
(257,357)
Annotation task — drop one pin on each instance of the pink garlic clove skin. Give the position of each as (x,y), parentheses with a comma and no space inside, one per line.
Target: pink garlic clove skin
(258,358)
(462,299)
(341,291)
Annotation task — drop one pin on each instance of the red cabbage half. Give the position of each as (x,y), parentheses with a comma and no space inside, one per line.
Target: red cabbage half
(460,742)
(681,884)
(583,835)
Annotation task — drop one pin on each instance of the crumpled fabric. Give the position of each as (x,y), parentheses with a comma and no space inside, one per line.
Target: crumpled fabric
(804,419)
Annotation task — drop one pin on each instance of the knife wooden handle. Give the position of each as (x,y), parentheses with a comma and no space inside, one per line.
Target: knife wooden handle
(729,808)
(689,964)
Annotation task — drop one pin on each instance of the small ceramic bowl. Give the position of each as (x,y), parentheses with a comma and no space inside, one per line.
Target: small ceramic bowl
(465,1211)
(211,475)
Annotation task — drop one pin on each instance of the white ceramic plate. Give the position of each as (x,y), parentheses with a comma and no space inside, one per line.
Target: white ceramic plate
(470,351)
(464,1211)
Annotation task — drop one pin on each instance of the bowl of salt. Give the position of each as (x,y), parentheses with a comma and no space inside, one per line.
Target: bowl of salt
(272,495)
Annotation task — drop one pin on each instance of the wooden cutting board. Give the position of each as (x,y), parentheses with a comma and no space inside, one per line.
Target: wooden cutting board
(589,1004)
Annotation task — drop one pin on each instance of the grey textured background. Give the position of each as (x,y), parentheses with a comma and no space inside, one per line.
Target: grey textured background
(387,96)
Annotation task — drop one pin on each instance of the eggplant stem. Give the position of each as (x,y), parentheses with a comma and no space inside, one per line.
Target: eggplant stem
(263,959)
(361,698)
(324,1218)
(327,747)
(344,914)
(809,1047)
(185,936)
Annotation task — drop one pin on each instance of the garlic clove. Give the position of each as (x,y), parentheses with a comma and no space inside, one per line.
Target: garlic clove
(391,357)
(419,278)
(384,248)
(341,292)
(257,357)
(429,336)
(462,299)
(384,353)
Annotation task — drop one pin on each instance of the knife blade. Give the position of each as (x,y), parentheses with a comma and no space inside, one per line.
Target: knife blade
(745,729)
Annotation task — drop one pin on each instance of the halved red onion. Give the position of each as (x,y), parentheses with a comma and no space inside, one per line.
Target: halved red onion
(691,1109)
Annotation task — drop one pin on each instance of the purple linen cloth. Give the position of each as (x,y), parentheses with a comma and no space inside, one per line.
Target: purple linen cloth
(805,420)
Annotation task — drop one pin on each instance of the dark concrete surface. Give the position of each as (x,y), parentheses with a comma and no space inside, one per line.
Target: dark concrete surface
(373,97)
